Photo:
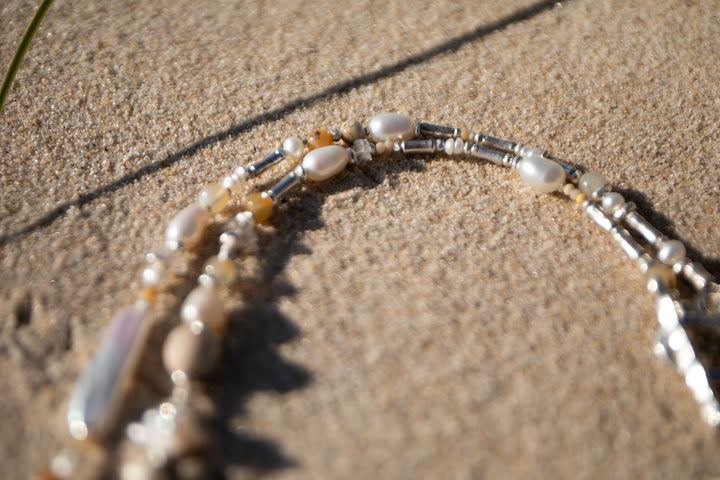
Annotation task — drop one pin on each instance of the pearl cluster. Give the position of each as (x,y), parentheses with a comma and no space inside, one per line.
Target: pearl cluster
(190,350)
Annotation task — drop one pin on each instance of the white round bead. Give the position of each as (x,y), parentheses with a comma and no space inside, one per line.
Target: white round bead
(324,162)
(187,226)
(391,126)
(203,305)
(449,146)
(671,252)
(612,201)
(540,173)
(153,275)
(458,147)
(294,147)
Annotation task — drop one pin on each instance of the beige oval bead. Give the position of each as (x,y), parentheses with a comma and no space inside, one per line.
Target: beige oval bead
(203,305)
(190,350)
(214,197)
(324,162)
(221,269)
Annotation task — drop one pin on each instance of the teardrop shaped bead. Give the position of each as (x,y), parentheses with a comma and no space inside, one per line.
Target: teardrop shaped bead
(325,162)
(391,126)
(187,226)
(540,173)
(203,305)
(99,388)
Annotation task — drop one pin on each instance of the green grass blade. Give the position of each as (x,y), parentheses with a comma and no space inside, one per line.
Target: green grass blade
(22,48)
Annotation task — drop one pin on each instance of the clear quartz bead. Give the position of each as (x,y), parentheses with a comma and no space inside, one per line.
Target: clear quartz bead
(363,151)
(591,183)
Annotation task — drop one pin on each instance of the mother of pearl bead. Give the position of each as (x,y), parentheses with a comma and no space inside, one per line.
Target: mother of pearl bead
(324,162)
(540,173)
(391,126)
(93,405)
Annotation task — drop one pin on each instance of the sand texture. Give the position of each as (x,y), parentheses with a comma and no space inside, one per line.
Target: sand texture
(412,318)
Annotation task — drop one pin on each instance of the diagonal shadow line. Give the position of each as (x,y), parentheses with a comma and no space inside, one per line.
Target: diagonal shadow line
(341,88)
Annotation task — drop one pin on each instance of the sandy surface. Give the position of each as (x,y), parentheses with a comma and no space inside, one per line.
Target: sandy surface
(412,318)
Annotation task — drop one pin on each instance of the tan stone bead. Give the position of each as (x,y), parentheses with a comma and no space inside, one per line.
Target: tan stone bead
(580,198)
(223,270)
(319,138)
(464,133)
(190,350)
(259,205)
(213,197)
(352,130)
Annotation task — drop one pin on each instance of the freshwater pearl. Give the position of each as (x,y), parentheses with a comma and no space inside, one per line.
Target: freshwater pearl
(540,173)
(213,197)
(294,147)
(189,350)
(203,305)
(391,126)
(325,162)
(612,201)
(591,182)
(92,405)
(187,226)
(671,252)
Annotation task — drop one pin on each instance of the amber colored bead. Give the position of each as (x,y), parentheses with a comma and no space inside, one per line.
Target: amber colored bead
(223,270)
(319,138)
(149,294)
(260,206)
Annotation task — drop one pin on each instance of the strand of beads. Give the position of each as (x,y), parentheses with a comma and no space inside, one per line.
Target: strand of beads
(174,430)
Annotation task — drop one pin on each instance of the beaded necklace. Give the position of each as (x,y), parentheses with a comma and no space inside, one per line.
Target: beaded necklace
(683,291)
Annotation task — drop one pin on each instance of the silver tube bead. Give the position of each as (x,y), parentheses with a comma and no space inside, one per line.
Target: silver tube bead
(421,146)
(257,168)
(626,208)
(504,146)
(483,153)
(296,177)
(423,129)
(696,275)
(638,223)
(627,244)
(598,216)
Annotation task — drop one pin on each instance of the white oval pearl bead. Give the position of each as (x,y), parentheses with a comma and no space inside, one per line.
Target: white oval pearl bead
(449,146)
(294,147)
(540,173)
(324,162)
(203,305)
(612,201)
(458,146)
(671,252)
(187,226)
(391,126)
